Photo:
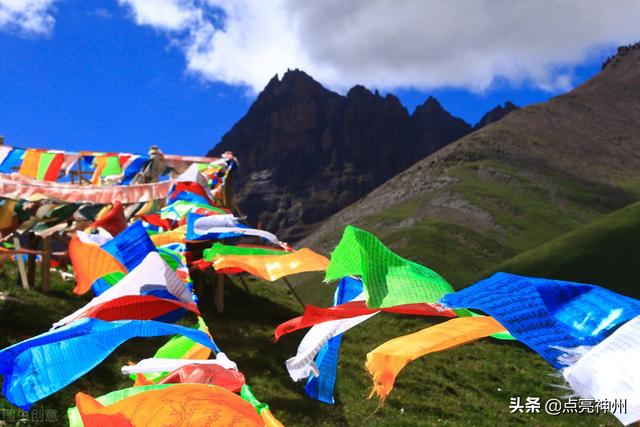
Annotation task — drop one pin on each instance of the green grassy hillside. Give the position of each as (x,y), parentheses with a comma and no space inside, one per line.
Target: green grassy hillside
(470,385)
(485,212)
(604,252)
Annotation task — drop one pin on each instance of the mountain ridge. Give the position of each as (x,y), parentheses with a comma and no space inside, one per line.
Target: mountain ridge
(307,152)
(542,171)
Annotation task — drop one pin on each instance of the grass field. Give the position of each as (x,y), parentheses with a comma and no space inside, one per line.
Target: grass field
(603,252)
(470,385)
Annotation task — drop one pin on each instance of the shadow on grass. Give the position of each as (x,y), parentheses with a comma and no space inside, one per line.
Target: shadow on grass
(245,333)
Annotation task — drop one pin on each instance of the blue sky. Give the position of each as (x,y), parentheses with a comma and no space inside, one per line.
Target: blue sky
(103,83)
(103,79)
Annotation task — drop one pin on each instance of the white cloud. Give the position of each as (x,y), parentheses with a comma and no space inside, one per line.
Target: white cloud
(26,16)
(390,44)
(169,15)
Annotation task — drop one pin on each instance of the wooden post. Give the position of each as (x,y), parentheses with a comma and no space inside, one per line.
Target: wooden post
(45,266)
(32,243)
(227,193)
(218,295)
(21,268)
(79,165)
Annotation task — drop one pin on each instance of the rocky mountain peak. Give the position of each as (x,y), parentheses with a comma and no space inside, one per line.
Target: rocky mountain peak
(307,152)
(622,52)
(498,113)
(429,106)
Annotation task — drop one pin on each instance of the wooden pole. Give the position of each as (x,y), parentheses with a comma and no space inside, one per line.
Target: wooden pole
(239,213)
(218,296)
(293,292)
(45,266)
(79,165)
(21,268)
(32,243)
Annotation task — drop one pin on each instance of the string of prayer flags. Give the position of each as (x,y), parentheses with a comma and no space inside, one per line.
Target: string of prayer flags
(178,347)
(314,315)
(320,386)
(151,277)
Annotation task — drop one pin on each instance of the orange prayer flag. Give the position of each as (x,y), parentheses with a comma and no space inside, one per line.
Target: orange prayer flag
(269,419)
(191,405)
(385,362)
(173,236)
(30,163)
(90,262)
(273,267)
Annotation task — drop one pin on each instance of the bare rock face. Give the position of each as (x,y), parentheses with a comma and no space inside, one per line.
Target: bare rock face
(307,152)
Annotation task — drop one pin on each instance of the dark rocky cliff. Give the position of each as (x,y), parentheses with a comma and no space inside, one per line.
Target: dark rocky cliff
(307,152)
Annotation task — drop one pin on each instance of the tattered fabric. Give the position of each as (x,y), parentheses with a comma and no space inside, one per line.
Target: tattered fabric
(152,277)
(19,187)
(40,366)
(389,279)
(611,371)
(273,267)
(320,386)
(314,315)
(195,405)
(547,314)
(302,364)
(386,361)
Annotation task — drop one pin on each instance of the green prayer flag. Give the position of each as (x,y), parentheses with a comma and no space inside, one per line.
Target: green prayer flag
(43,165)
(112,167)
(221,249)
(247,394)
(388,279)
